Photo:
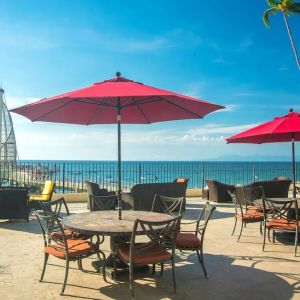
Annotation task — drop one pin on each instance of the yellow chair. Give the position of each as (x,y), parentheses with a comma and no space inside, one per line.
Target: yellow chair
(44,196)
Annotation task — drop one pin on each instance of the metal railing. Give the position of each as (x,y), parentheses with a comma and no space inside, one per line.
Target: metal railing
(69,176)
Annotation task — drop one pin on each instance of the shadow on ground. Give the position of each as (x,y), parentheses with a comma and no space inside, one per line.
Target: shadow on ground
(193,210)
(229,281)
(21,225)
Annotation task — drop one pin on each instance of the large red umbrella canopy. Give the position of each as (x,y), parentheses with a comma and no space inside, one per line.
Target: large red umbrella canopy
(97,104)
(117,100)
(281,129)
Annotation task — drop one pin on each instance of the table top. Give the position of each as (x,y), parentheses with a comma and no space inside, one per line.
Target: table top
(107,222)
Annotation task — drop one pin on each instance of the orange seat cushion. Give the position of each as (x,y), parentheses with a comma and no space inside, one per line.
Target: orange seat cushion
(149,255)
(76,248)
(187,241)
(282,224)
(251,217)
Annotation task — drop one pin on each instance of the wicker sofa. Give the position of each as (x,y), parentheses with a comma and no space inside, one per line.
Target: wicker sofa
(141,195)
(276,188)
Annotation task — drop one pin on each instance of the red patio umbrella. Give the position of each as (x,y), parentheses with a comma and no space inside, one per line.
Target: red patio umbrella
(117,100)
(281,129)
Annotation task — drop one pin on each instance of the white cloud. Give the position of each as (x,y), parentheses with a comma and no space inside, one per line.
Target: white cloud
(213,129)
(15,101)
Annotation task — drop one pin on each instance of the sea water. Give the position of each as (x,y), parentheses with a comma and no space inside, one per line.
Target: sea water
(106,172)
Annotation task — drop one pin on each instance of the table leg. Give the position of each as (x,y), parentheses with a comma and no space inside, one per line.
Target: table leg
(115,267)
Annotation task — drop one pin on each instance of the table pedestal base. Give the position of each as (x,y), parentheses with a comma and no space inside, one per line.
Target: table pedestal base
(122,268)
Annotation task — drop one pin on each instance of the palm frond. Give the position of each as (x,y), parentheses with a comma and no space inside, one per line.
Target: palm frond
(294,8)
(272,3)
(272,10)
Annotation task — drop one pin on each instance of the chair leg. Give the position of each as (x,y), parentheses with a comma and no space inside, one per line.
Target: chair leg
(161,269)
(260,228)
(66,277)
(273,237)
(201,261)
(296,242)
(173,274)
(44,267)
(242,225)
(131,280)
(234,226)
(153,270)
(264,242)
(79,262)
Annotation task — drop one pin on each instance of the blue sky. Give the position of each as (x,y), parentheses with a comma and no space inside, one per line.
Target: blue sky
(214,50)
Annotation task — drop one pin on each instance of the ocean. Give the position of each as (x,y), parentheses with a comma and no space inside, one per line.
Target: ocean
(70,175)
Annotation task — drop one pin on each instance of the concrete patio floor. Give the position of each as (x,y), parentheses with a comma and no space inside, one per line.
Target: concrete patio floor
(237,270)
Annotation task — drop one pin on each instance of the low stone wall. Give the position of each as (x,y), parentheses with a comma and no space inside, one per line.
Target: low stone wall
(83,197)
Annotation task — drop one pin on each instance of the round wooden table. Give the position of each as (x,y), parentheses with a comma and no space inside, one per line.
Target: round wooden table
(107,223)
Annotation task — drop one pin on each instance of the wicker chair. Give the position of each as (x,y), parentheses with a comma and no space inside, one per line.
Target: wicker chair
(14,203)
(218,191)
(193,240)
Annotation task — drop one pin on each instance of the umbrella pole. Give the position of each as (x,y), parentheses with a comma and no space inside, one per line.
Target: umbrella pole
(119,159)
(294,165)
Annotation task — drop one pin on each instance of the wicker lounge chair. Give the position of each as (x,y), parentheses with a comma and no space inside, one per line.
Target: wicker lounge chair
(218,191)
(14,203)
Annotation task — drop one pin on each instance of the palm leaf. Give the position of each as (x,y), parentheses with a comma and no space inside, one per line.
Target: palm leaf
(272,3)
(272,10)
(294,8)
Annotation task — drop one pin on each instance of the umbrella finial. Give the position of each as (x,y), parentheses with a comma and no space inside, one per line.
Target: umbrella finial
(291,110)
(118,74)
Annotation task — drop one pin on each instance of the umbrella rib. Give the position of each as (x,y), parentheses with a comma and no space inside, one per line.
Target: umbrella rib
(51,111)
(142,112)
(91,101)
(143,101)
(183,108)
(148,100)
